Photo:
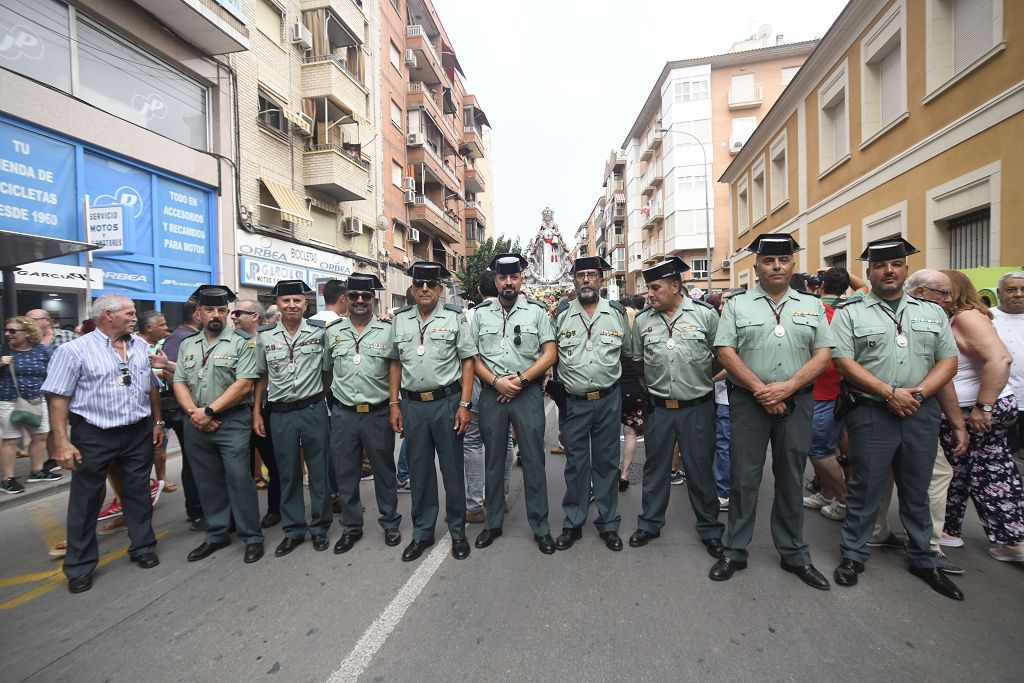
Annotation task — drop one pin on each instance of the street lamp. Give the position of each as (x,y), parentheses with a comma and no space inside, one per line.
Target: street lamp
(707,201)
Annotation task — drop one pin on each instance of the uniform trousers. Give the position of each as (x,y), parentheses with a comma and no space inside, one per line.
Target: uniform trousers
(590,432)
(353,433)
(300,435)
(942,474)
(429,429)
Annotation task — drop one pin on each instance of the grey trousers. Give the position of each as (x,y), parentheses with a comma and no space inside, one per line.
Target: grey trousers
(590,432)
(303,435)
(351,434)
(429,427)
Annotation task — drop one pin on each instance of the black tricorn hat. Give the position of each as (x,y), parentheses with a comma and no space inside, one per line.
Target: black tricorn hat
(289,287)
(774,245)
(673,265)
(428,270)
(508,264)
(888,249)
(590,263)
(364,282)
(213,295)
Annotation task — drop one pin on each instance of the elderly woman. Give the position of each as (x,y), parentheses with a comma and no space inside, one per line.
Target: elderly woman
(986,472)
(22,371)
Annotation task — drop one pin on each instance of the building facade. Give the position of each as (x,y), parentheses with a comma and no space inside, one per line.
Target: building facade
(903,122)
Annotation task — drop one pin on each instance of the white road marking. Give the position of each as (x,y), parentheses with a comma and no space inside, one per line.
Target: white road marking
(374,637)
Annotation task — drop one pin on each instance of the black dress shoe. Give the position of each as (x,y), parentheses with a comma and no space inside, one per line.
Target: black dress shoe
(80,584)
(205,550)
(146,561)
(611,540)
(725,568)
(545,543)
(346,542)
(270,519)
(416,548)
(623,485)
(197,523)
(714,547)
(253,552)
(392,536)
(939,582)
(487,537)
(846,573)
(288,545)
(569,536)
(808,574)
(320,542)
(640,537)
(460,548)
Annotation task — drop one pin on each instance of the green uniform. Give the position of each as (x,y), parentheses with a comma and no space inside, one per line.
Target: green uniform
(866,332)
(496,333)
(750,324)
(590,353)
(359,363)
(298,425)
(431,391)
(220,459)
(679,380)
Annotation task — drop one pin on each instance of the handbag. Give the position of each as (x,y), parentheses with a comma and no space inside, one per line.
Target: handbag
(26,413)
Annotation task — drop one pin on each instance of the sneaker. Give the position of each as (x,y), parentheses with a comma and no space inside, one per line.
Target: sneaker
(109,511)
(43,475)
(816,501)
(890,541)
(59,550)
(678,477)
(366,474)
(11,485)
(947,567)
(811,486)
(951,541)
(404,486)
(558,450)
(1007,553)
(835,511)
(51,465)
(723,504)
(112,527)
(155,487)
(475,516)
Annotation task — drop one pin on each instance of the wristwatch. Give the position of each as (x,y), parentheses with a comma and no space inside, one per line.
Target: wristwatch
(523,381)
(209,412)
(918,396)
(160,423)
(468,405)
(984,407)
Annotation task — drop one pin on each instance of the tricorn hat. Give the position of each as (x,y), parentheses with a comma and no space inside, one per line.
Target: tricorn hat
(364,282)
(508,264)
(774,245)
(213,295)
(590,263)
(888,249)
(673,265)
(428,270)
(290,287)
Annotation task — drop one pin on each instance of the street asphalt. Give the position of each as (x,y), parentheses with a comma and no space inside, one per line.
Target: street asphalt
(506,613)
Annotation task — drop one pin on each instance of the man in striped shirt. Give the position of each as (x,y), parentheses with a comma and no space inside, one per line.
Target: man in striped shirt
(102,384)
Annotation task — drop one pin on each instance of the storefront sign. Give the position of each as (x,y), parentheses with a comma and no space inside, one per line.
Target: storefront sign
(106,227)
(37,184)
(47,274)
(262,257)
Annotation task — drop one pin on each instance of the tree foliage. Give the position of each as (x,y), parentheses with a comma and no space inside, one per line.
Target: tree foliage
(478,262)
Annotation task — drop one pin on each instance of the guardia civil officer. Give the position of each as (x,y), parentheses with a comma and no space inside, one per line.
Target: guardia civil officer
(673,339)
(774,342)
(515,347)
(213,384)
(435,383)
(357,362)
(593,337)
(289,358)
(896,352)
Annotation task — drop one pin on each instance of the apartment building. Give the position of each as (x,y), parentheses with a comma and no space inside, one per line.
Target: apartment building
(434,168)
(905,121)
(698,115)
(122,107)
(612,237)
(308,124)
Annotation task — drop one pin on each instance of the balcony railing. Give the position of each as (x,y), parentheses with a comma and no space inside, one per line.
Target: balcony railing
(422,200)
(746,96)
(338,149)
(416,31)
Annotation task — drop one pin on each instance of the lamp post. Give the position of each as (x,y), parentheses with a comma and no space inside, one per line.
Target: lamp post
(707,201)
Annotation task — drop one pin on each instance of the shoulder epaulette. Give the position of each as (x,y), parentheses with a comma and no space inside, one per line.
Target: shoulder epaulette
(485,303)
(243,335)
(740,293)
(334,322)
(316,323)
(562,308)
(645,309)
(403,309)
(810,294)
(846,302)
(705,304)
(191,335)
(617,306)
(538,303)
(266,328)
(455,308)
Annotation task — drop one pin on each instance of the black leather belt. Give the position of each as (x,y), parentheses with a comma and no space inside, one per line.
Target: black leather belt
(363,407)
(675,404)
(282,407)
(594,395)
(433,394)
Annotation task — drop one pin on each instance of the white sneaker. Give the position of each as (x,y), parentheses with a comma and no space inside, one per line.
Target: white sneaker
(723,504)
(1007,553)
(951,541)
(816,501)
(835,511)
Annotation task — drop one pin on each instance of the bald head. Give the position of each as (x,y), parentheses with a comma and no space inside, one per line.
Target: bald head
(928,284)
(41,318)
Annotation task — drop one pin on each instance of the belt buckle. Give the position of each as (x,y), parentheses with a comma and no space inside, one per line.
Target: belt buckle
(671,403)
(362,407)
(426,395)
(593,395)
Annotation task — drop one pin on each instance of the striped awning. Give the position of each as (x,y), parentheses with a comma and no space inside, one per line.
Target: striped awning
(620,198)
(296,118)
(288,203)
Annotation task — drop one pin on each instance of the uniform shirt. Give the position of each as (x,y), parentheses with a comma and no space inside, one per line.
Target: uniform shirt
(684,371)
(446,343)
(581,369)
(365,381)
(495,334)
(293,365)
(209,368)
(865,332)
(88,371)
(748,325)
(1010,327)
(29,368)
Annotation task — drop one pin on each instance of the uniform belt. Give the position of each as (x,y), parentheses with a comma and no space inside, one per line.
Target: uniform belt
(676,404)
(802,390)
(594,395)
(363,407)
(433,394)
(282,407)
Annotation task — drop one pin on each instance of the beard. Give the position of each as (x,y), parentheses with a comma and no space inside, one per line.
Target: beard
(587,296)
(215,325)
(509,294)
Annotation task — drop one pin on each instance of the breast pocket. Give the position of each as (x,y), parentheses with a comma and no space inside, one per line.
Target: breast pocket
(311,355)
(925,337)
(406,346)
(277,359)
(570,350)
(378,361)
(442,343)
(654,343)
(489,342)
(695,344)
(806,328)
(529,338)
(609,349)
(866,339)
(749,334)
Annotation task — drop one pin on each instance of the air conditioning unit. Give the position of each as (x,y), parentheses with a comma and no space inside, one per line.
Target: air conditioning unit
(413,235)
(726,264)
(410,183)
(410,58)
(352,225)
(302,36)
(306,130)
(738,144)
(410,196)
(415,140)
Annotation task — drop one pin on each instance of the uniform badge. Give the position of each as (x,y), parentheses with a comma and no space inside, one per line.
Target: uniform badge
(872,343)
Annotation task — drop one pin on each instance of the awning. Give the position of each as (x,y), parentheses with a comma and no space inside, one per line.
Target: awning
(620,198)
(447,102)
(400,223)
(296,118)
(288,202)
(17,249)
(481,117)
(450,61)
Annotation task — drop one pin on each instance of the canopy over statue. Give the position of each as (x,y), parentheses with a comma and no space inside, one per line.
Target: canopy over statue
(549,258)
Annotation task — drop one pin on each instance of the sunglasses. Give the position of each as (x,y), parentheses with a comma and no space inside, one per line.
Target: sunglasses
(12,330)
(239,314)
(125,379)
(356,296)
(418,284)
(518,339)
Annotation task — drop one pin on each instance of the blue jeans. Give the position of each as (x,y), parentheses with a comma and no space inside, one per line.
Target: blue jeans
(722,436)
(826,431)
(403,462)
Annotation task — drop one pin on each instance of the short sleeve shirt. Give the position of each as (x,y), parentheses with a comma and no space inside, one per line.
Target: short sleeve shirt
(682,372)
(30,368)
(208,368)
(359,361)
(293,365)
(590,350)
(444,339)
(497,331)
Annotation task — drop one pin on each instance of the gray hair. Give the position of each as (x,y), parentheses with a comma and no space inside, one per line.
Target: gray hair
(256,307)
(148,318)
(921,278)
(109,302)
(1012,275)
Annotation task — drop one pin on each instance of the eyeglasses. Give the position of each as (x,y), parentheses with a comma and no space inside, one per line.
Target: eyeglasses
(518,339)
(588,276)
(945,293)
(239,314)
(12,330)
(418,284)
(125,379)
(356,296)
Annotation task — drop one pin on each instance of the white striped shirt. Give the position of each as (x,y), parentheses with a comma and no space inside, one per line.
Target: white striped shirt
(88,371)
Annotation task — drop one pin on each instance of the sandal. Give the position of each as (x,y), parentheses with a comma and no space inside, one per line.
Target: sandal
(170,488)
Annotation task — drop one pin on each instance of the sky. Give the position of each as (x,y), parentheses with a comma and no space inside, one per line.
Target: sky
(562,82)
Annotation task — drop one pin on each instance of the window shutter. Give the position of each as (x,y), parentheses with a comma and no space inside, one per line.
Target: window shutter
(972,31)
(889,82)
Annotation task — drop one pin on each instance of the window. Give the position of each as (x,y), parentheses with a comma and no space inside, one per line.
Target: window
(398,237)
(883,95)
(396,58)
(269,20)
(961,34)
(779,172)
(833,131)
(889,222)
(969,240)
(742,207)
(700,129)
(836,260)
(36,29)
(757,195)
(270,114)
(742,128)
(324,228)
(690,91)
(699,269)
(396,114)
(396,174)
(743,90)
(788,74)
(692,179)
(397,4)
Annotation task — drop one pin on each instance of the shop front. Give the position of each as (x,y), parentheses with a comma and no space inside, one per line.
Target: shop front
(263,260)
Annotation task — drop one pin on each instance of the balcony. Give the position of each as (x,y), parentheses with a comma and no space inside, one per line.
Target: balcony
(652,179)
(471,137)
(618,237)
(327,76)
(474,212)
(214,26)
(746,97)
(347,10)
(651,215)
(428,67)
(474,180)
(420,95)
(426,215)
(654,250)
(437,170)
(336,172)
(654,138)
